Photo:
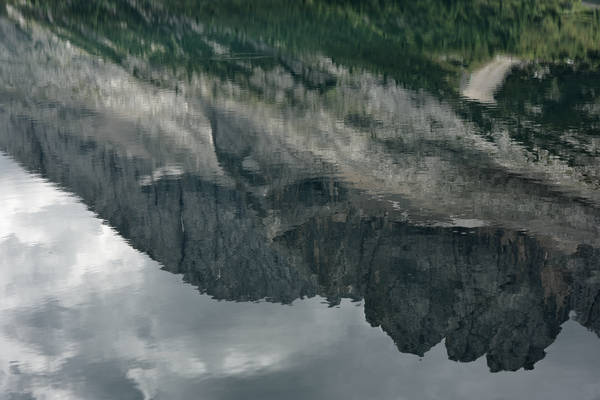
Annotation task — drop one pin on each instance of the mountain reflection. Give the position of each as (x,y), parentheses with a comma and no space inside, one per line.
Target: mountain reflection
(269,173)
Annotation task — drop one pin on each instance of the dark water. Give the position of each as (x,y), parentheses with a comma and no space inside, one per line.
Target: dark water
(311,200)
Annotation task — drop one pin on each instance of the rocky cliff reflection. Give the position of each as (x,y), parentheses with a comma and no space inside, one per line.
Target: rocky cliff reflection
(298,177)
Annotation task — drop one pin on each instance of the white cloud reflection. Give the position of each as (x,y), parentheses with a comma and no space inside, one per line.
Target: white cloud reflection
(72,288)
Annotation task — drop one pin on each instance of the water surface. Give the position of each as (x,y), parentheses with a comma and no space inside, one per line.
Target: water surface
(214,201)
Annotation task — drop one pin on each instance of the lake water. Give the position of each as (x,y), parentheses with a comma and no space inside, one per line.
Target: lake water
(310,200)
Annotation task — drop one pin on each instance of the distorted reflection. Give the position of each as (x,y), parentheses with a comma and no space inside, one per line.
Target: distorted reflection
(446,192)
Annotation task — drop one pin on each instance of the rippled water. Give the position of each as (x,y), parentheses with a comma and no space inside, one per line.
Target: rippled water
(326,199)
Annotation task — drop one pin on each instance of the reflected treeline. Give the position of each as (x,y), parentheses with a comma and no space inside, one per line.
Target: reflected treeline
(258,171)
(558,110)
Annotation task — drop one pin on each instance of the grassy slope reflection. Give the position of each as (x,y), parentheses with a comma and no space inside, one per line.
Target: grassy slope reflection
(422,44)
(468,31)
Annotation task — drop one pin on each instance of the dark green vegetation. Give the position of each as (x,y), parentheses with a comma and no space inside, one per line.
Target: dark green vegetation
(465,30)
(424,44)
